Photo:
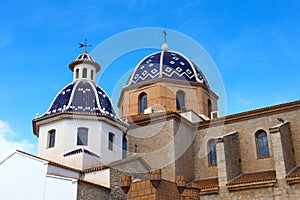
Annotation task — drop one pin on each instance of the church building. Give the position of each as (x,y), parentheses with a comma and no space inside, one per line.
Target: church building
(168,142)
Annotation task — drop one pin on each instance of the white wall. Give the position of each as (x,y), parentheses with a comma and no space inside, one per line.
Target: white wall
(59,188)
(108,156)
(63,172)
(89,68)
(22,177)
(25,177)
(101,177)
(66,141)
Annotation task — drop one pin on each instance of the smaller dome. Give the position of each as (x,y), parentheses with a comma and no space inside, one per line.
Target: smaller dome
(82,97)
(84,58)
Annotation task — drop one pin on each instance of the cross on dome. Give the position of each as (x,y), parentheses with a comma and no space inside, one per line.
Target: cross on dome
(165,45)
(165,36)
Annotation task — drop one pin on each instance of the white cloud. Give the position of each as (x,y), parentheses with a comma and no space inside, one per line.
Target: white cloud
(7,145)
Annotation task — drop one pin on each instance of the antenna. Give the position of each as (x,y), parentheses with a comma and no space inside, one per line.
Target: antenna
(85,45)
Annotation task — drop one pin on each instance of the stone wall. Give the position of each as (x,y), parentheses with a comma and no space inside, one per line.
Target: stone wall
(293,118)
(201,164)
(289,141)
(287,147)
(154,142)
(184,158)
(248,152)
(232,155)
(87,191)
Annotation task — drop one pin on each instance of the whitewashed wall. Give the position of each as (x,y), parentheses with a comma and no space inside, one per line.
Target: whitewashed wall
(66,141)
(59,188)
(99,177)
(22,177)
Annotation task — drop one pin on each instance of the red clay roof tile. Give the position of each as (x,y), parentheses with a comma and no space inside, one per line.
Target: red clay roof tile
(294,173)
(254,177)
(207,183)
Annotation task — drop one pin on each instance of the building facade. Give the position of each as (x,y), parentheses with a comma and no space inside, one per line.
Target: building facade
(169,141)
(249,155)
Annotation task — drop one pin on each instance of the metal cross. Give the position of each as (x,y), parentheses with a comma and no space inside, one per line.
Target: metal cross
(165,36)
(85,45)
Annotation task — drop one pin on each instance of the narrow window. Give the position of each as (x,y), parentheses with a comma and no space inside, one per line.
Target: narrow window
(124,147)
(262,144)
(111,141)
(77,73)
(92,74)
(51,138)
(84,73)
(82,136)
(142,102)
(209,108)
(212,152)
(180,101)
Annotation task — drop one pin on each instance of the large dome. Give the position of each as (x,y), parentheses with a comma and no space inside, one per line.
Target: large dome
(166,64)
(82,97)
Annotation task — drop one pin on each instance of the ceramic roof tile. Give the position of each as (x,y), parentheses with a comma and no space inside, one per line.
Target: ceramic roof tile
(254,177)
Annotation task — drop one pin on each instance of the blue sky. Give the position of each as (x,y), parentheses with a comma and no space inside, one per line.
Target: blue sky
(254,44)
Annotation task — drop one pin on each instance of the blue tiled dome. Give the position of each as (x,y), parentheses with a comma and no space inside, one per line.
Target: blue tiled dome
(82,97)
(166,64)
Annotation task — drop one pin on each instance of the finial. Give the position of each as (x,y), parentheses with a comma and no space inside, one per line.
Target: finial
(165,45)
(85,45)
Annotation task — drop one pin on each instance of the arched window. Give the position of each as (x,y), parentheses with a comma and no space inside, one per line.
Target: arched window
(262,144)
(212,152)
(142,102)
(92,74)
(77,73)
(124,147)
(209,108)
(111,138)
(82,136)
(180,100)
(84,73)
(51,140)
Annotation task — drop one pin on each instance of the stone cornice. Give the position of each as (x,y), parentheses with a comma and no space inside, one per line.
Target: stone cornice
(252,185)
(292,180)
(159,117)
(210,190)
(252,114)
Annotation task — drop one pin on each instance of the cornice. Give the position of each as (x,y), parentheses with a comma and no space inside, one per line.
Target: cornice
(77,115)
(146,119)
(252,114)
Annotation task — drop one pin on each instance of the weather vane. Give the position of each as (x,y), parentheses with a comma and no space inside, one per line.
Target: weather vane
(85,45)
(165,36)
